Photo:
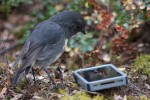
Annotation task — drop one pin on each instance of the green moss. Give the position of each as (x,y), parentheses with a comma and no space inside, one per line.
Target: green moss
(142,64)
(131,97)
(98,98)
(62,91)
(81,96)
(22,83)
(74,85)
(140,98)
(85,43)
(144,98)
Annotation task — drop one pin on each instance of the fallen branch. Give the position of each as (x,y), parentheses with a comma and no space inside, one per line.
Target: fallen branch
(136,88)
(8,49)
(7,40)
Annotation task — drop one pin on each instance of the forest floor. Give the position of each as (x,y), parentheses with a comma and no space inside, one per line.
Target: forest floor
(138,85)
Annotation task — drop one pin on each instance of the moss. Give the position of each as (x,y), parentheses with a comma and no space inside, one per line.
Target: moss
(131,97)
(142,64)
(98,97)
(22,84)
(144,98)
(74,85)
(140,98)
(81,96)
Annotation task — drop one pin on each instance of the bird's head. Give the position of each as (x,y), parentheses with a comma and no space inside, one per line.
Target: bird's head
(72,21)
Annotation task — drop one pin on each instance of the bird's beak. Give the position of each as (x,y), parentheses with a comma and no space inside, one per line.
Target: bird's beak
(83,31)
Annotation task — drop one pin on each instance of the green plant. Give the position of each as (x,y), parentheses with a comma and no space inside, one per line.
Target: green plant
(144,98)
(81,96)
(37,16)
(142,64)
(6,5)
(140,98)
(77,5)
(85,43)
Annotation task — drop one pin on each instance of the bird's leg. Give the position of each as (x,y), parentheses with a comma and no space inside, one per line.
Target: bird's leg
(33,76)
(60,73)
(49,76)
(61,76)
(58,68)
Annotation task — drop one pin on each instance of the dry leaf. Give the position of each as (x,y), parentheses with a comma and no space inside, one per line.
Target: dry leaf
(130,1)
(3,92)
(18,96)
(133,6)
(128,7)
(148,7)
(142,6)
(139,3)
(118,97)
(122,69)
(59,7)
(147,86)
(37,97)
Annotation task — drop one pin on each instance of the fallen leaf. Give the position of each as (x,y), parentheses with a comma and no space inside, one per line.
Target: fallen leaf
(142,6)
(148,7)
(133,7)
(3,92)
(130,1)
(118,97)
(122,69)
(139,3)
(147,86)
(18,96)
(37,97)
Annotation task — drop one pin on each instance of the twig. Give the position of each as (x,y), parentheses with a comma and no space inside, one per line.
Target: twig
(8,49)
(7,40)
(5,56)
(7,83)
(135,87)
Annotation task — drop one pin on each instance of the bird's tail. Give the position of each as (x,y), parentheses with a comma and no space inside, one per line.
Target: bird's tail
(19,73)
(28,60)
(23,52)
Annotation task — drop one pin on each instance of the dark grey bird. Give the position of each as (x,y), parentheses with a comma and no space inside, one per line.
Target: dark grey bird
(47,42)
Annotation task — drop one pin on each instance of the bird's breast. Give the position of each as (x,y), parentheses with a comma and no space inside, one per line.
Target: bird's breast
(65,44)
(61,50)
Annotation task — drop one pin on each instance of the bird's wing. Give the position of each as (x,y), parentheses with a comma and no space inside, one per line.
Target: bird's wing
(46,34)
(23,52)
(26,45)
(27,60)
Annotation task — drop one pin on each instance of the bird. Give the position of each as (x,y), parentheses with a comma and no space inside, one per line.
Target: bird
(47,42)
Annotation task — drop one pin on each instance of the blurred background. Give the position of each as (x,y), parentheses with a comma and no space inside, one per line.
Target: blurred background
(118,32)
